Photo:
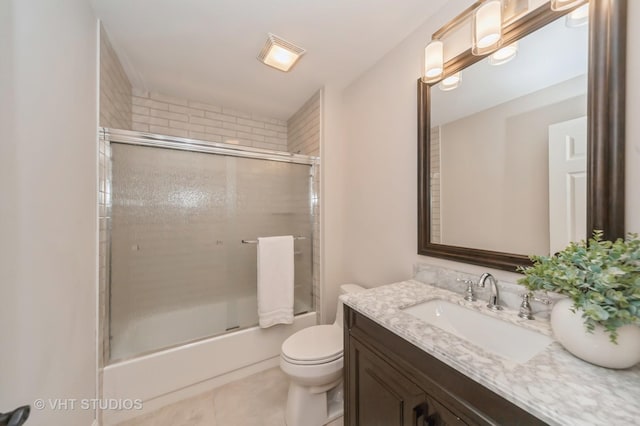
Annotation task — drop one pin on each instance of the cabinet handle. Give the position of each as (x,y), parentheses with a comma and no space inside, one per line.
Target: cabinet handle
(421,411)
(433,420)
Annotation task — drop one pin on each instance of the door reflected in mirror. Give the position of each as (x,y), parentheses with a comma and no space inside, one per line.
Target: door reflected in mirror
(508,148)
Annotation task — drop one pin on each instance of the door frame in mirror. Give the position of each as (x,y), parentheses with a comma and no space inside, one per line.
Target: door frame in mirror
(605,131)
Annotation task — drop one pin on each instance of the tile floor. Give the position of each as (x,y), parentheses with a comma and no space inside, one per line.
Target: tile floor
(257,400)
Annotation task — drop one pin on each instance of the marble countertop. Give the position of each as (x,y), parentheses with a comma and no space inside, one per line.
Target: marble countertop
(554,386)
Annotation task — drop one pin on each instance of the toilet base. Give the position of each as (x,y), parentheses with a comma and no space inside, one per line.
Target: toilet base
(306,408)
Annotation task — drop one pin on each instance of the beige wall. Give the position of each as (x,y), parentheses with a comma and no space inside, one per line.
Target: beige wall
(115,89)
(378,192)
(502,181)
(333,174)
(48,154)
(379,187)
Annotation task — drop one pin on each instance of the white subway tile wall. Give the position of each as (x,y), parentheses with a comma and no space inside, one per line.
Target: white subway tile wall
(304,128)
(104,218)
(103,251)
(316,238)
(115,89)
(434,167)
(166,115)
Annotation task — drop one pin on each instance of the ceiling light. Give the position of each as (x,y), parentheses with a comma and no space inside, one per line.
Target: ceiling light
(504,55)
(487,27)
(578,17)
(279,53)
(433,61)
(564,4)
(451,82)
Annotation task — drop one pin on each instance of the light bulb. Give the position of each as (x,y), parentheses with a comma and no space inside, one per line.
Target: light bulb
(451,82)
(504,55)
(487,27)
(433,61)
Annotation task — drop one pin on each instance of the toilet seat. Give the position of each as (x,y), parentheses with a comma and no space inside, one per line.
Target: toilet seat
(319,344)
(312,361)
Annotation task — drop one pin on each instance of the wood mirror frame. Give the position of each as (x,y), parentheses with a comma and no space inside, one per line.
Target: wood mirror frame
(605,131)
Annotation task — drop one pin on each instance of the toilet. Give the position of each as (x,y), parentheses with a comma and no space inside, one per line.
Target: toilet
(312,358)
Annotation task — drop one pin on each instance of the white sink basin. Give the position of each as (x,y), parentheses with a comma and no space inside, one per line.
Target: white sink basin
(494,335)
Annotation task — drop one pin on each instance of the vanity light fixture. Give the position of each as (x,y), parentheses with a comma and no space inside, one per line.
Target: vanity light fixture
(487,27)
(564,4)
(279,53)
(433,61)
(578,17)
(451,82)
(504,55)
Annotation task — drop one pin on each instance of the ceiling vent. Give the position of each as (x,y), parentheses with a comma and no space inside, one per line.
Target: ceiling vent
(279,53)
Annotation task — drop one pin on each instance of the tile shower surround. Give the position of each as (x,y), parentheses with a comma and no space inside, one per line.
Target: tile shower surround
(303,128)
(104,209)
(104,223)
(115,89)
(166,115)
(434,181)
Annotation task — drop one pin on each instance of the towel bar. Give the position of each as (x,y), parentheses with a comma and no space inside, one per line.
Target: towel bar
(256,241)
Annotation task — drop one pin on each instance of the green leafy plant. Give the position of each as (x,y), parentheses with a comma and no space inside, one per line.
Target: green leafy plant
(601,277)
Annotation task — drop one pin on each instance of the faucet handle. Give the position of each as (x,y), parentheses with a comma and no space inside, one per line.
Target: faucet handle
(541,299)
(525,306)
(469,295)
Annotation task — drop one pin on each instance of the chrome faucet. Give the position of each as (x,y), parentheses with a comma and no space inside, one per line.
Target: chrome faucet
(494,299)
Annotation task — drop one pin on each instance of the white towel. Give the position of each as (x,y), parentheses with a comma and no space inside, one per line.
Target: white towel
(275,280)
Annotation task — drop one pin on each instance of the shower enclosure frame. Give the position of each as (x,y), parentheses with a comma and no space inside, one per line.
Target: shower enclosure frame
(108,136)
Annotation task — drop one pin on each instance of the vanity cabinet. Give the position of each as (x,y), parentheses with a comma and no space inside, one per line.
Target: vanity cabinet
(390,382)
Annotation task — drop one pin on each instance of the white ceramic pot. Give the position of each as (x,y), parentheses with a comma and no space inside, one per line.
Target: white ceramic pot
(596,348)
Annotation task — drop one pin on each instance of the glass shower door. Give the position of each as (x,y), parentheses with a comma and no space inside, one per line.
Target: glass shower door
(179,271)
(272,198)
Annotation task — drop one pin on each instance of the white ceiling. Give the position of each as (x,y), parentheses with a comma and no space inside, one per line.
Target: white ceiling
(206,49)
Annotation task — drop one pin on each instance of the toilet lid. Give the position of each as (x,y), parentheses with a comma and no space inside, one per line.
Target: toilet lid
(317,344)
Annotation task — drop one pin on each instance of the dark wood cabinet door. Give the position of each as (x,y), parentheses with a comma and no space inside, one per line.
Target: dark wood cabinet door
(382,396)
(439,415)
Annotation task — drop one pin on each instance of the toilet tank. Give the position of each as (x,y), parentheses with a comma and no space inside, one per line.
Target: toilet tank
(346,289)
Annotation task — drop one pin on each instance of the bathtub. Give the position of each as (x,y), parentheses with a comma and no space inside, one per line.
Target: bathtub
(165,329)
(173,374)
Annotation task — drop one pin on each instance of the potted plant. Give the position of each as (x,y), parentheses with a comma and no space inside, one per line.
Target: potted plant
(599,321)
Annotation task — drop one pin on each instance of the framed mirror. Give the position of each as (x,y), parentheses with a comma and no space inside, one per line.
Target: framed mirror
(523,157)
